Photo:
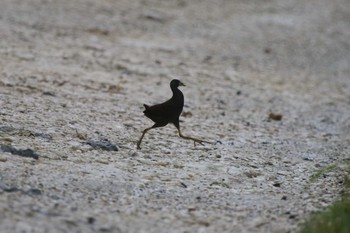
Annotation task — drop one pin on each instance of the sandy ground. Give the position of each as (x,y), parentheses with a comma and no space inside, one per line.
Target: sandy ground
(73,73)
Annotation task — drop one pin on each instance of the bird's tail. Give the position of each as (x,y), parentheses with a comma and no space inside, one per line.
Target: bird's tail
(146,107)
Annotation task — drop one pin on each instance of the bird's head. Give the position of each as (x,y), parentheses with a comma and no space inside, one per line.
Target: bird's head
(176,83)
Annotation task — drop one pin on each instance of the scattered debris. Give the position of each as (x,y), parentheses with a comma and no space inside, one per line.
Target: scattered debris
(267,50)
(30,192)
(103,145)
(186,114)
(9,130)
(183,185)
(5,128)
(49,93)
(21,152)
(252,173)
(115,89)
(275,116)
(219,183)
(155,16)
(207,58)
(91,220)
(309,157)
(43,136)
(81,136)
(134,154)
(98,31)
(33,192)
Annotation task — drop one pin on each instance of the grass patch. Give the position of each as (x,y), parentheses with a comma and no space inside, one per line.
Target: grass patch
(347,161)
(346,194)
(334,220)
(322,171)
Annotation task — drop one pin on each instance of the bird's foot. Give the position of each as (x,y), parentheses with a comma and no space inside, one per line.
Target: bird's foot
(199,141)
(195,140)
(139,144)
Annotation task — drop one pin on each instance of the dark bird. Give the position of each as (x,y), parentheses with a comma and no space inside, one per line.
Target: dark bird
(168,112)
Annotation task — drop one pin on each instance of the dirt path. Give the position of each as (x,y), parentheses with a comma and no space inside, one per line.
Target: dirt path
(74,76)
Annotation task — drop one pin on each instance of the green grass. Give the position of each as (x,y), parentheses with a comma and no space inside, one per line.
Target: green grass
(347,161)
(322,171)
(336,218)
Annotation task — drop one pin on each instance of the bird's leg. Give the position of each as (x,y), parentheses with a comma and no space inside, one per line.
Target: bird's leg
(143,134)
(193,139)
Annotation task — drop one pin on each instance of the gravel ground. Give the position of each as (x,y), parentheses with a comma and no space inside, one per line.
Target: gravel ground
(267,82)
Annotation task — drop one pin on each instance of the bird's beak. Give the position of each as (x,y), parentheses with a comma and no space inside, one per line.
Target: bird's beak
(181,84)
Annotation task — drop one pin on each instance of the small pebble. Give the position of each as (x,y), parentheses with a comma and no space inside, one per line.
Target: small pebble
(267,50)
(91,220)
(33,192)
(49,93)
(275,116)
(21,152)
(309,157)
(134,154)
(103,145)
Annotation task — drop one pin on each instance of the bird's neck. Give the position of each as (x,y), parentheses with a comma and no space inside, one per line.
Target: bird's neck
(175,91)
(177,94)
